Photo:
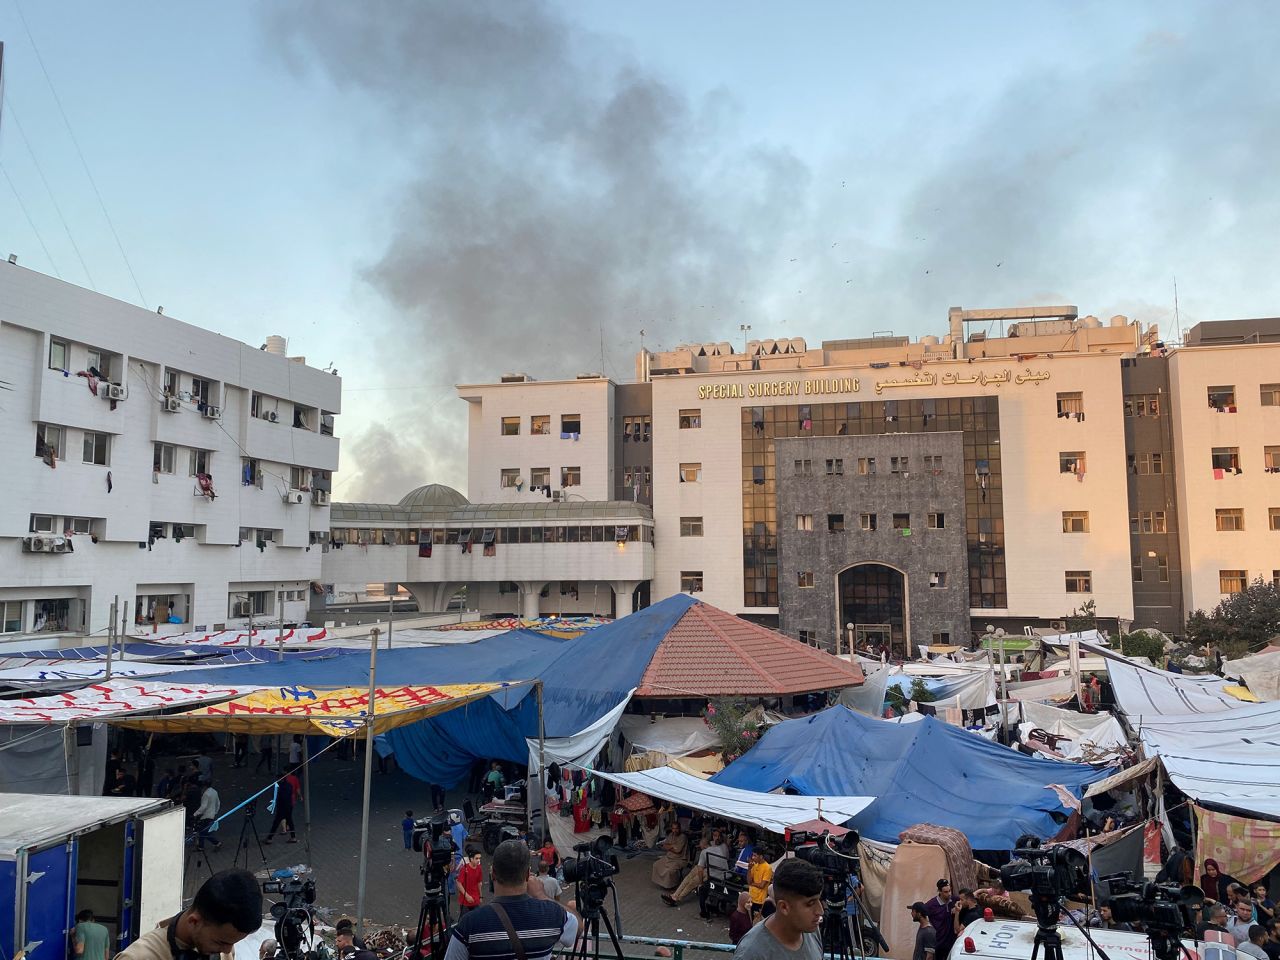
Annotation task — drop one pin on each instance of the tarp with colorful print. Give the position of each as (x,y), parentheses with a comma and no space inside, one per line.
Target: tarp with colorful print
(340,712)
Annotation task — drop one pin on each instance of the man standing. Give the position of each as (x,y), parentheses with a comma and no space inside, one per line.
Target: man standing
(284,811)
(966,910)
(940,915)
(791,931)
(1217,921)
(470,877)
(1238,926)
(295,750)
(226,910)
(1254,945)
(206,813)
(513,925)
(759,877)
(205,766)
(266,747)
(926,936)
(92,939)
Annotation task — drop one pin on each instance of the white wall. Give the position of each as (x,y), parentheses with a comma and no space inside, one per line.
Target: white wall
(34,308)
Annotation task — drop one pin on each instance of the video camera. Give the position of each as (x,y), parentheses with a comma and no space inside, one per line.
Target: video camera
(1048,874)
(1165,905)
(835,856)
(590,872)
(291,915)
(431,838)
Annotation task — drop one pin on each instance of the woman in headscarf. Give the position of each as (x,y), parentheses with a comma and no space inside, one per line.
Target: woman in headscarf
(1215,883)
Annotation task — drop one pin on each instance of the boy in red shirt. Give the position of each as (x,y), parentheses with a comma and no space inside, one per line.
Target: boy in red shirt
(470,877)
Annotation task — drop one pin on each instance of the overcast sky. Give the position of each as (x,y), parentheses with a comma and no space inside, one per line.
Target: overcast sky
(432,193)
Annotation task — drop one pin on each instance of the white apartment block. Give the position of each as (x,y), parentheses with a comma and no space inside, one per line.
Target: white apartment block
(180,471)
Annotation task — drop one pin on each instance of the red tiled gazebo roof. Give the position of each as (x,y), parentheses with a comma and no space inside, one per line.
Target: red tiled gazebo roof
(711,653)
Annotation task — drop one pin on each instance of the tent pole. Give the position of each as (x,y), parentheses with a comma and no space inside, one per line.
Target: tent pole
(306,790)
(368,778)
(542,763)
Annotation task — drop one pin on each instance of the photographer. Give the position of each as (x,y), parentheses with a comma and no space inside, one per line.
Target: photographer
(791,931)
(226,910)
(514,925)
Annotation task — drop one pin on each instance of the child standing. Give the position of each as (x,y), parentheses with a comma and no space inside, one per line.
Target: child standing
(407,826)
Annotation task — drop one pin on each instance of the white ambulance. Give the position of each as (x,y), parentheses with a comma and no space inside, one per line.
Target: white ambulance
(1015,939)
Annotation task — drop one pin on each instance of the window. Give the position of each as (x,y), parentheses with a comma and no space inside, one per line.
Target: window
(933,464)
(10,616)
(183,530)
(690,419)
(199,390)
(511,426)
(1269,394)
(540,424)
(1148,521)
(162,458)
(1142,405)
(539,476)
(1232,581)
(899,465)
(1271,459)
(835,523)
(936,521)
(1273,517)
(1137,569)
(902,521)
(690,581)
(938,580)
(1079,581)
(804,522)
(942,637)
(1275,579)
(866,466)
(171,383)
(41,523)
(1223,399)
(1150,463)
(49,441)
(690,526)
(1075,521)
(1162,568)
(95,448)
(1071,404)
(1226,458)
(835,468)
(867,521)
(570,423)
(299,478)
(246,534)
(250,472)
(58,355)
(510,477)
(1229,519)
(570,476)
(198,462)
(82,526)
(94,361)
(804,468)
(690,473)
(807,636)
(804,579)
(1071,462)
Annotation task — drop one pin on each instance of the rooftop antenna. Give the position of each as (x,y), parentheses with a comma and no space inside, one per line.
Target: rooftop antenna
(1177,318)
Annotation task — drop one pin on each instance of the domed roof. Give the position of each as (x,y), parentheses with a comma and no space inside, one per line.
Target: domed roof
(433,495)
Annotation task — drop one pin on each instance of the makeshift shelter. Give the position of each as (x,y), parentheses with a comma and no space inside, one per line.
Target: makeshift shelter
(927,771)
(1089,733)
(1261,671)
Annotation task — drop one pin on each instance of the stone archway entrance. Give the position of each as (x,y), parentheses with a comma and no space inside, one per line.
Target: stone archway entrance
(873,597)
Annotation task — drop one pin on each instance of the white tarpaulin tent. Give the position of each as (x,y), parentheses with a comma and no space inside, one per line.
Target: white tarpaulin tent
(113,698)
(1146,690)
(1228,759)
(771,811)
(1099,730)
(76,673)
(674,736)
(1050,688)
(1261,672)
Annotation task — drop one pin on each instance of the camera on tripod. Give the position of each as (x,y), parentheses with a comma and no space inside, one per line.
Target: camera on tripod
(1165,905)
(292,915)
(836,857)
(1046,874)
(590,872)
(431,838)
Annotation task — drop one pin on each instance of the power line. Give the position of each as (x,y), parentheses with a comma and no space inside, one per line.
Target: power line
(80,153)
(54,200)
(17,196)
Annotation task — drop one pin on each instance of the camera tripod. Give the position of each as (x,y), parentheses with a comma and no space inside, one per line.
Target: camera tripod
(1047,910)
(433,920)
(588,945)
(842,934)
(248,825)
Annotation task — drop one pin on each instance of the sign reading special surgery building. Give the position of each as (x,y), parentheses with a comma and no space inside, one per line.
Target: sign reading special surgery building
(830,385)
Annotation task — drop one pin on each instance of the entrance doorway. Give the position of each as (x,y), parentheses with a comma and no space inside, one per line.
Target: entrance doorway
(873,598)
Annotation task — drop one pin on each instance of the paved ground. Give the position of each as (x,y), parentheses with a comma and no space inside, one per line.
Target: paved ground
(394,886)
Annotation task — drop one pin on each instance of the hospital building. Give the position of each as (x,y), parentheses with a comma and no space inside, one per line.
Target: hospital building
(1004,473)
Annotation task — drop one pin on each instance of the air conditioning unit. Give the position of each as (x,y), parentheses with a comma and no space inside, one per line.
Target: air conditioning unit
(1059,625)
(557,496)
(320,497)
(60,545)
(273,416)
(294,496)
(211,412)
(114,391)
(240,609)
(172,404)
(36,544)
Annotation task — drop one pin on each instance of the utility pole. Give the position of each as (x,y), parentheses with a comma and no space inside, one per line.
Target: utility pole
(280,634)
(111,633)
(391,614)
(368,777)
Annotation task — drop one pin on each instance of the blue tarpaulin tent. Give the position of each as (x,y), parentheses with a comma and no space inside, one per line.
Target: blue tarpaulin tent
(582,680)
(922,772)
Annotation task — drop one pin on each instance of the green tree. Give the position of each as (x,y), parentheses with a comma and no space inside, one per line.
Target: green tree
(1244,621)
(1143,644)
(1084,617)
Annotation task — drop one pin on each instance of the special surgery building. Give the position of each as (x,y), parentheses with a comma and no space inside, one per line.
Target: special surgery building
(1005,474)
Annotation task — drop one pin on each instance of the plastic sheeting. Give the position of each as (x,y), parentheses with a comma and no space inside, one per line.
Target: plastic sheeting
(771,811)
(114,698)
(923,772)
(869,698)
(1050,688)
(974,689)
(75,673)
(674,736)
(1261,672)
(34,759)
(1146,690)
(1099,730)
